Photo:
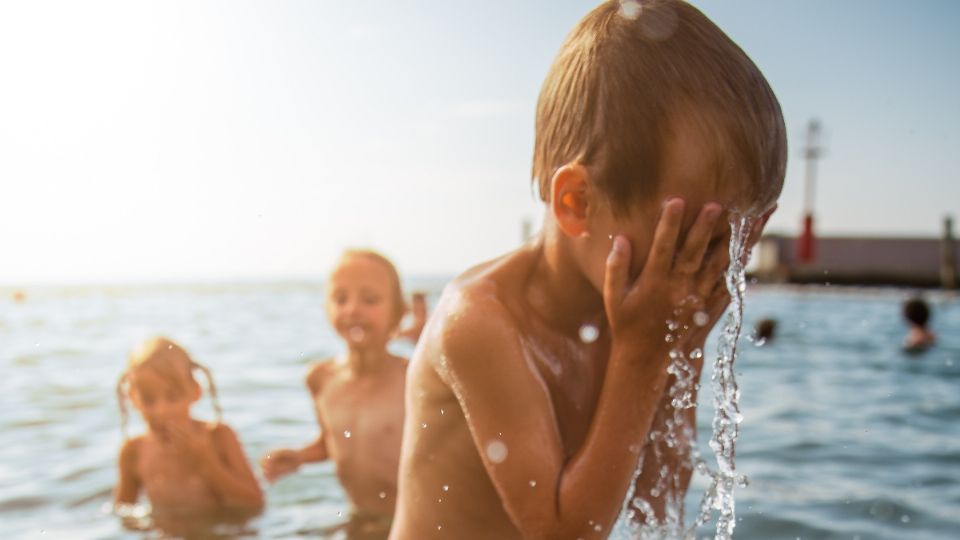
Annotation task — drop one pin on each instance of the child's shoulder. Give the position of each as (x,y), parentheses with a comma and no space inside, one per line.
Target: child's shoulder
(483,308)
(131,447)
(319,372)
(220,431)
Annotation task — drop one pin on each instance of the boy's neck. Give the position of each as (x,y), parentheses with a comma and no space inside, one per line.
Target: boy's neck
(365,360)
(558,290)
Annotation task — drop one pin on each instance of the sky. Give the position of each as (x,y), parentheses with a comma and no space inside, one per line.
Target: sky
(233,140)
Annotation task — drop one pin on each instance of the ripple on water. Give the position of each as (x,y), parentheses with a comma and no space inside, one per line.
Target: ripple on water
(26,502)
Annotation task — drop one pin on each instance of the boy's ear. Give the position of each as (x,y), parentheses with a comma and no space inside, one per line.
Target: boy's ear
(569,194)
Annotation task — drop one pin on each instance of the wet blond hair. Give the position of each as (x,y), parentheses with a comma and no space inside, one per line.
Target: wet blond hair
(627,70)
(171,362)
(399,304)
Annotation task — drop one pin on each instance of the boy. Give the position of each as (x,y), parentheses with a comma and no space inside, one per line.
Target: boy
(358,396)
(917,314)
(534,390)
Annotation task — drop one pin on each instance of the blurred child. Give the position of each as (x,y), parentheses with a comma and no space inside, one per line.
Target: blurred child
(358,396)
(917,314)
(542,374)
(418,313)
(185,466)
(764,331)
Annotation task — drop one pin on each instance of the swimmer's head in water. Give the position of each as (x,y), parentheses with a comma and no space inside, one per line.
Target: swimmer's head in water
(916,311)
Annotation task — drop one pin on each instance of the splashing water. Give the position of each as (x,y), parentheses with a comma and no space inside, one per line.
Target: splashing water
(679,436)
(726,393)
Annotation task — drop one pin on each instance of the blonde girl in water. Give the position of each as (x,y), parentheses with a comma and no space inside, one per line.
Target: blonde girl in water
(185,466)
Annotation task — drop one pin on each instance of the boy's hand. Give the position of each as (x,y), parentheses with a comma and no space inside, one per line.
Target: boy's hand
(674,283)
(278,463)
(715,296)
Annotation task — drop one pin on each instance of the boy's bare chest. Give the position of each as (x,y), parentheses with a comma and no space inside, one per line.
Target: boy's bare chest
(361,410)
(573,374)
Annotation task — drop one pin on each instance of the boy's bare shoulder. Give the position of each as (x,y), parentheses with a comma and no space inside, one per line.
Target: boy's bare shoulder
(483,308)
(319,373)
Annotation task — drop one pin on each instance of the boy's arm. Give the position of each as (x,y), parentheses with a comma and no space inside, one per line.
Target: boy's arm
(316,450)
(488,369)
(128,484)
(283,461)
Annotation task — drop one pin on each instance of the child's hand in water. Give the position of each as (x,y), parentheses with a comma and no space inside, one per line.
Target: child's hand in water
(194,442)
(675,283)
(279,463)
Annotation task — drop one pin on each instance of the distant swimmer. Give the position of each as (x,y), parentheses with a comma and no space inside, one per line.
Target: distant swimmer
(764,331)
(919,338)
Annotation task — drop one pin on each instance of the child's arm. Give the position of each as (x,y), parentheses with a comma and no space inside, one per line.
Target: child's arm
(128,485)
(223,462)
(283,461)
(489,369)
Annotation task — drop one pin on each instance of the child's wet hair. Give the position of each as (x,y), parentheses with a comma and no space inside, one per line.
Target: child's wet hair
(917,311)
(399,305)
(171,362)
(625,73)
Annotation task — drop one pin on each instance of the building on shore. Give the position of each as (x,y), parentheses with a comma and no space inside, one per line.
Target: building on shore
(847,260)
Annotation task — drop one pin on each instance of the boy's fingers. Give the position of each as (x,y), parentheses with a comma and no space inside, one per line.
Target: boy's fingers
(616,272)
(691,254)
(713,269)
(665,237)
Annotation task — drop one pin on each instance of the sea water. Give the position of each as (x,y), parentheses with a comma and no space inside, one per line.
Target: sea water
(844,436)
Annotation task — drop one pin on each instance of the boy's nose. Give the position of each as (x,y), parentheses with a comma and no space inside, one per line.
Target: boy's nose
(352,306)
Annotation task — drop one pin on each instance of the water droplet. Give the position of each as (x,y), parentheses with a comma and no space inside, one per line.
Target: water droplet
(441,411)
(383,495)
(630,9)
(346,434)
(496,451)
(439,527)
(669,338)
(446,487)
(696,354)
(701,318)
(598,527)
(589,333)
(339,514)
(423,425)
(533,483)
(672,325)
